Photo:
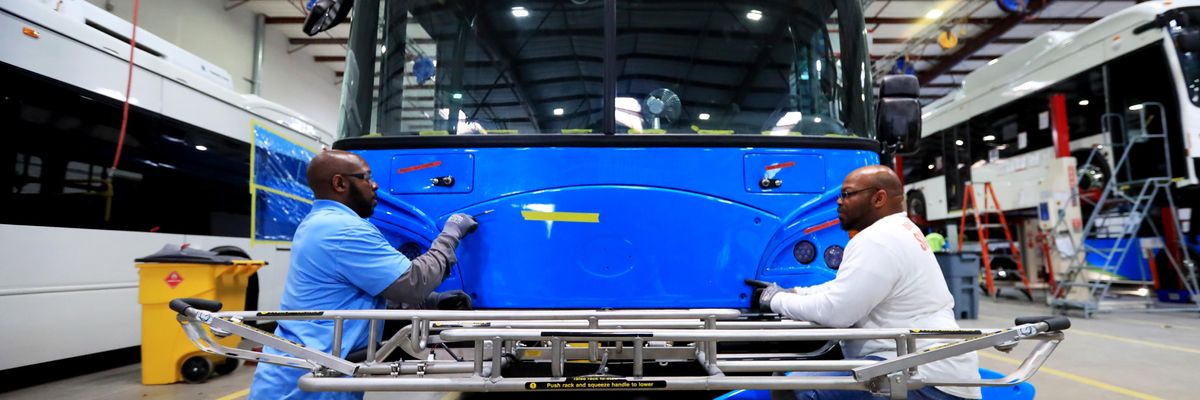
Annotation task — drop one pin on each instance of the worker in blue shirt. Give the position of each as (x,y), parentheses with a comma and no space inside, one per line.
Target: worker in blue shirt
(339,261)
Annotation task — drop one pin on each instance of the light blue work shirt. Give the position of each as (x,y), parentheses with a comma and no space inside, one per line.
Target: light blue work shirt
(339,262)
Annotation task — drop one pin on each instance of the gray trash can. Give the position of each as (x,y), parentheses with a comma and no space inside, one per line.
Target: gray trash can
(961,271)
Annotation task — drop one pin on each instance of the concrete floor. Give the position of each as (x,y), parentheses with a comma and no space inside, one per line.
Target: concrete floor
(1114,356)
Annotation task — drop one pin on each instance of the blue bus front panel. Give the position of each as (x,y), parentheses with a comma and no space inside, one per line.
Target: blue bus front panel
(649,227)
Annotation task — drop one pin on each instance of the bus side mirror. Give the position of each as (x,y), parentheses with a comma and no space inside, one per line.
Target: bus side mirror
(326,14)
(898,118)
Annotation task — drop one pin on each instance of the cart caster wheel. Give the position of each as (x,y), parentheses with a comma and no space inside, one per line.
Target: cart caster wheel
(228,366)
(196,369)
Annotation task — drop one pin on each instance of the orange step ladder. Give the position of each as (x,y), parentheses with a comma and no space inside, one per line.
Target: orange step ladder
(981,228)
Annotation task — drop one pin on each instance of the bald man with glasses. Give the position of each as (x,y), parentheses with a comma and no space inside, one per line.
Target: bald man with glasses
(888,278)
(340,261)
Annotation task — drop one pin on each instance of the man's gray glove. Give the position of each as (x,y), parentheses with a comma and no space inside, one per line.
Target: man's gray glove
(768,293)
(448,300)
(460,225)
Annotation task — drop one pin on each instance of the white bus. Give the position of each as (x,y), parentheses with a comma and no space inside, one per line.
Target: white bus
(998,128)
(68,238)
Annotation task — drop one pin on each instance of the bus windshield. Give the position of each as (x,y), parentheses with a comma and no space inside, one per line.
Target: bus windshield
(448,67)
(1185,30)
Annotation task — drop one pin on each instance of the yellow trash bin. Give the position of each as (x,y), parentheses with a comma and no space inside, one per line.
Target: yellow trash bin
(167,354)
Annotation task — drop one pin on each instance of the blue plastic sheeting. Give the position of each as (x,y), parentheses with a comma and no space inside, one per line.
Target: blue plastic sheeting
(595,227)
(281,164)
(282,196)
(278,216)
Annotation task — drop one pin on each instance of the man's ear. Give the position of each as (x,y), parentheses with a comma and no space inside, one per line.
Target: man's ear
(879,198)
(340,184)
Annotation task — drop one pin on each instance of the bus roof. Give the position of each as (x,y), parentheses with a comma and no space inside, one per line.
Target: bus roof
(1051,57)
(96,28)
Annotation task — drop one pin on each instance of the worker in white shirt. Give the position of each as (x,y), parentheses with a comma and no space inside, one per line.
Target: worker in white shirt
(889,278)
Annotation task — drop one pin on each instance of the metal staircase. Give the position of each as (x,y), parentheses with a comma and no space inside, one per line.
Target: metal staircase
(1118,215)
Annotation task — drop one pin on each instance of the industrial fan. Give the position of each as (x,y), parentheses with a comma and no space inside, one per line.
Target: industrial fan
(662,104)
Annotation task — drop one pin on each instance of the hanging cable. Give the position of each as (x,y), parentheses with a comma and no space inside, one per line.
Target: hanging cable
(128,91)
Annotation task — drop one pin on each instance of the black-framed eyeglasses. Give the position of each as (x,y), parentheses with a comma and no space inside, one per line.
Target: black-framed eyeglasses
(362,175)
(847,195)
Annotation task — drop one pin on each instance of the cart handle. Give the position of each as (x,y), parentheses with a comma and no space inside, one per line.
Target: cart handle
(181,306)
(1054,323)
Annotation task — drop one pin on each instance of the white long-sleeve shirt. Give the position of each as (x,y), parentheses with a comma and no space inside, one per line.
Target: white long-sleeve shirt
(889,278)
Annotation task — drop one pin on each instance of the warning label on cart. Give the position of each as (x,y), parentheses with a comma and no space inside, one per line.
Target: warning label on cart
(173,279)
(596,383)
(290,313)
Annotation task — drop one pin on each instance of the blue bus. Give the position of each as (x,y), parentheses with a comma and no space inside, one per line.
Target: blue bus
(617,154)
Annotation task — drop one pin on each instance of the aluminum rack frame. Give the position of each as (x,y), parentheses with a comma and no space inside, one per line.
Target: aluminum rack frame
(499,338)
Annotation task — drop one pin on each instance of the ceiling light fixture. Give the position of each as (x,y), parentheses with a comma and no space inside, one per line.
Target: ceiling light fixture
(520,12)
(558,111)
(704,116)
(754,15)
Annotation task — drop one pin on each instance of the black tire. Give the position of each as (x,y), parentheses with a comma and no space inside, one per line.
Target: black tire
(251,285)
(1004,262)
(196,369)
(917,208)
(230,251)
(228,366)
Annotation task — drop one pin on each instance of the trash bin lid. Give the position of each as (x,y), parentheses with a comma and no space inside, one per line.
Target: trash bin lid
(173,253)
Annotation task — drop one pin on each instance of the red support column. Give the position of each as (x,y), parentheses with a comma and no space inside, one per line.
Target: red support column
(1058,118)
(900,169)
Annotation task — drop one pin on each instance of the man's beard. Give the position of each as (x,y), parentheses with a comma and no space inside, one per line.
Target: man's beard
(360,203)
(849,223)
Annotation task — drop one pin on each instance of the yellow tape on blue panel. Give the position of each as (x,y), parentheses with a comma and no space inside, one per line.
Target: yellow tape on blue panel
(561,216)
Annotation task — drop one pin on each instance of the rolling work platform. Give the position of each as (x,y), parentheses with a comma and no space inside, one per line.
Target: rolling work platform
(1118,217)
(498,341)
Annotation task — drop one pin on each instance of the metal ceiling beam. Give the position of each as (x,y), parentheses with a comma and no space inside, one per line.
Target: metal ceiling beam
(308,41)
(932,40)
(343,41)
(554,33)
(983,21)
(290,20)
(593,59)
(876,57)
(762,61)
(487,37)
(993,32)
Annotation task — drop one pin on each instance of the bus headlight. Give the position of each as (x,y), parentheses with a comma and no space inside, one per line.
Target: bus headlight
(833,256)
(804,251)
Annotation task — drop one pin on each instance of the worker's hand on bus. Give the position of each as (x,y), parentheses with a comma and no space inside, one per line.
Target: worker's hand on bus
(762,296)
(448,300)
(460,225)
(768,293)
